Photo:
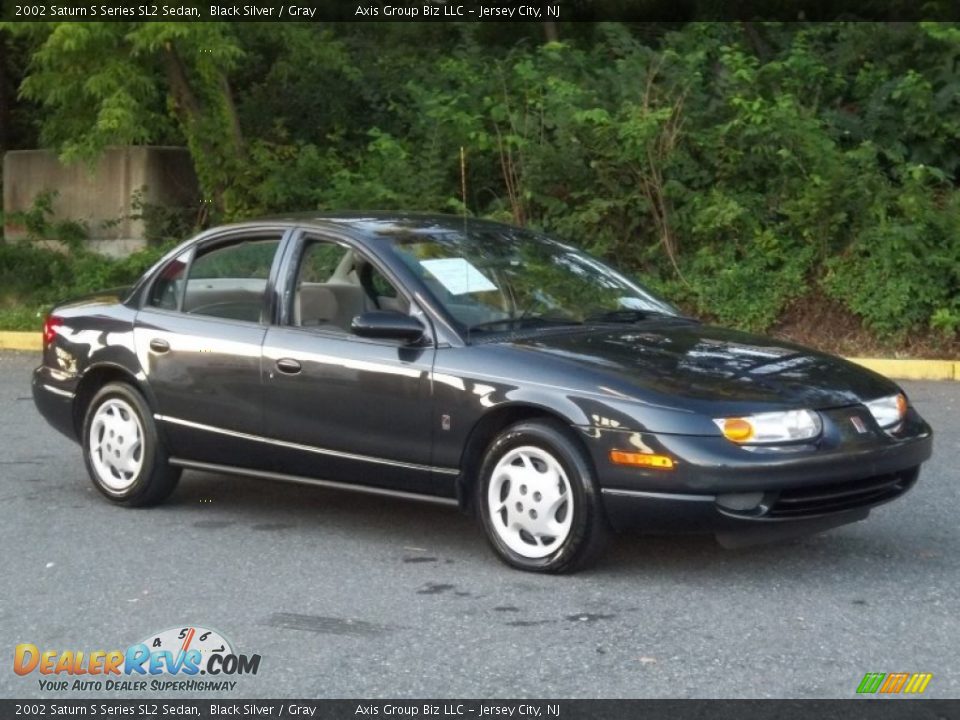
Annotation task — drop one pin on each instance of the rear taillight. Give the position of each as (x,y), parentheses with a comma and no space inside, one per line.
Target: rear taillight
(50,326)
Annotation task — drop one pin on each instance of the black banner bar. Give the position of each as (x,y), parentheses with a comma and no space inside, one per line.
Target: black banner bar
(478,10)
(854,709)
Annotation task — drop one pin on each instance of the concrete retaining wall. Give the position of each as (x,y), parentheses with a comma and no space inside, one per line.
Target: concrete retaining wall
(100,195)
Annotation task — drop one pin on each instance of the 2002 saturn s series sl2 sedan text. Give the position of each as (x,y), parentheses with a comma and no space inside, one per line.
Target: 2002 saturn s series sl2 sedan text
(470,363)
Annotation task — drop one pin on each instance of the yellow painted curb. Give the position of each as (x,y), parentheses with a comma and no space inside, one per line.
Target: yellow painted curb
(912,369)
(20,340)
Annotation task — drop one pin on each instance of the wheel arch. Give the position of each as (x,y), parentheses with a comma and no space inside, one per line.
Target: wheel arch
(95,378)
(492,424)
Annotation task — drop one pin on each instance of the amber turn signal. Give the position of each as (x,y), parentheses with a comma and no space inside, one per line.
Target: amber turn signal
(620,457)
(901,404)
(737,430)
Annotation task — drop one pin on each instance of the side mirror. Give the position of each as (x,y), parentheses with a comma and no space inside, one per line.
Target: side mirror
(387,325)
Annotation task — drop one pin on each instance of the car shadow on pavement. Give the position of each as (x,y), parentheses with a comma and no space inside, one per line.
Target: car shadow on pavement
(304,509)
(220,500)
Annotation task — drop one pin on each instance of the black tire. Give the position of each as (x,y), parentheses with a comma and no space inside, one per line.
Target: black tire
(588,529)
(154,478)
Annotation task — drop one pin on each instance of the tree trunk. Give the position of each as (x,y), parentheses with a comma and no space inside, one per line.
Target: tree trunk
(185,102)
(757,43)
(232,115)
(551,32)
(6,110)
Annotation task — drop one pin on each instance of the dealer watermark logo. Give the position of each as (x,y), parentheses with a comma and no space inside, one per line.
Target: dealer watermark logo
(166,661)
(894,683)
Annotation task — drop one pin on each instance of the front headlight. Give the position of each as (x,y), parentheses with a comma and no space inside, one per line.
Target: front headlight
(888,411)
(772,427)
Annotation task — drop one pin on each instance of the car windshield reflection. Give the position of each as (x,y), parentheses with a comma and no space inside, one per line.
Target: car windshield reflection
(493,280)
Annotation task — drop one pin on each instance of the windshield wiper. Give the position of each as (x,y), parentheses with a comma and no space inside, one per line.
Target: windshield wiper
(626,316)
(520,322)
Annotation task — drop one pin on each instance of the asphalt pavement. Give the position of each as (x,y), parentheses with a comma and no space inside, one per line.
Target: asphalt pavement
(346,595)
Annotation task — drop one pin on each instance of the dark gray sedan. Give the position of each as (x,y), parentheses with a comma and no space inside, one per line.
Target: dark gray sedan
(472,363)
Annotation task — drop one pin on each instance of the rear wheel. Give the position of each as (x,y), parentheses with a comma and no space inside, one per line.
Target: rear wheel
(538,500)
(122,450)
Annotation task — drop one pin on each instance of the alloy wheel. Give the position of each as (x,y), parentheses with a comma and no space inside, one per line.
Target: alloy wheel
(530,502)
(116,444)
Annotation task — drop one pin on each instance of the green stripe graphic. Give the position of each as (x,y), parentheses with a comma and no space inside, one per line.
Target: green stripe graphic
(871,682)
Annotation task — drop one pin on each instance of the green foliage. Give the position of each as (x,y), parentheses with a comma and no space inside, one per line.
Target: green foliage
(40,225)
(163,224)
(902,271)
(53,263)
(33,279)
(115,83)
(21,317)
(93,86)
(738,167)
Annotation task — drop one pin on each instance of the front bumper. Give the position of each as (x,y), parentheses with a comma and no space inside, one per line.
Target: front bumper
(779,515)
(739,494)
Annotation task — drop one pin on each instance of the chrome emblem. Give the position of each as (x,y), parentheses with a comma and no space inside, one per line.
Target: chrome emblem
(858,424)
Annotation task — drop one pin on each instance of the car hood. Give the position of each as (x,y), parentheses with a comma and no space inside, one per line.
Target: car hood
(677,362)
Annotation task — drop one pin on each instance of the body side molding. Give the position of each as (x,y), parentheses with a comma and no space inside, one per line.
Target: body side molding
(332,484)
(306,448)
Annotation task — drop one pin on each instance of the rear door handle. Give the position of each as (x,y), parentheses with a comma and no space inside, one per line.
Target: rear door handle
(159,346)
(288,366)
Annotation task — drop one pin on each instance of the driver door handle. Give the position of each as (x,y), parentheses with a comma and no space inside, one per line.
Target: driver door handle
(159,345)
(288,366)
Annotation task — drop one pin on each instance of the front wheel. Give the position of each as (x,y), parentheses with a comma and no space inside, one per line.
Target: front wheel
(122,450)
(538,499)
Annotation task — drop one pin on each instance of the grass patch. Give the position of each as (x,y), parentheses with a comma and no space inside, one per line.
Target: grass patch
(28,318)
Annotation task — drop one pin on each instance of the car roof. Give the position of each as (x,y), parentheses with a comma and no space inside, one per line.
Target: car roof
(374,223)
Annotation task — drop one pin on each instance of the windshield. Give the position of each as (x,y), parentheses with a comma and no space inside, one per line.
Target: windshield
(493,279)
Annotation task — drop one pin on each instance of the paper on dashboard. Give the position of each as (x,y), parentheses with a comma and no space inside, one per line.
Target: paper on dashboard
(458,275)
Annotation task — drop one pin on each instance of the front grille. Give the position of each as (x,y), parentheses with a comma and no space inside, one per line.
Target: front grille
(837,497)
